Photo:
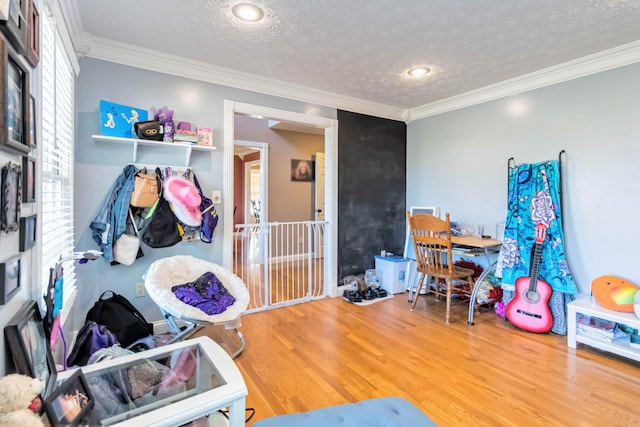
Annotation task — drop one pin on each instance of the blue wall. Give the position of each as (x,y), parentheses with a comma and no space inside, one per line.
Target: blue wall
(458,161)
(98,163)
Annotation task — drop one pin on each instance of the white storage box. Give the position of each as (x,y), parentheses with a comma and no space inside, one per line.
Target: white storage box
(393,272)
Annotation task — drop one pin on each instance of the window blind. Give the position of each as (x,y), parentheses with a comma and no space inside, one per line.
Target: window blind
(57,222)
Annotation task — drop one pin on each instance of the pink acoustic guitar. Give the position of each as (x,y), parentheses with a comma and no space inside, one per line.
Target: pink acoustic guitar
(529,308)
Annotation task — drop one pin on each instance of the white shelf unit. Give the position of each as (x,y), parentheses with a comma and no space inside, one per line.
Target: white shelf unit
(585,305)
(136,143)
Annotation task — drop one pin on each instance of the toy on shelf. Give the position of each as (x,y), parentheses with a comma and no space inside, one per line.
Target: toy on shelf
(614,293)
(165,116)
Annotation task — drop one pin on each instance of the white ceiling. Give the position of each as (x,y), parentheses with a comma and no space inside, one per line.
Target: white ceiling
(353,54)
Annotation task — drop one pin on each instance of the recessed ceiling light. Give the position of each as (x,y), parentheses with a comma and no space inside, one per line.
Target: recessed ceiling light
(247,12)
(418,71)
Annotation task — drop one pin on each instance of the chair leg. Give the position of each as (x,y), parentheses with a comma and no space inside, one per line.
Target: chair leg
(417,294)
(446,316)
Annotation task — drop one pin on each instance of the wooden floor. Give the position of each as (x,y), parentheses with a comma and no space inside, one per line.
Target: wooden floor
(329,352)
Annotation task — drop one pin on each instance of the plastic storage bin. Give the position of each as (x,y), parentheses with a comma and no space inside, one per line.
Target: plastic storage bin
(393,272)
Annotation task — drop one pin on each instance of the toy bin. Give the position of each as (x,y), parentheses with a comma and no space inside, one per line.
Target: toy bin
(393,271)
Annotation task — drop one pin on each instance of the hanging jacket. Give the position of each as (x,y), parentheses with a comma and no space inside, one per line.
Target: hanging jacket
(111,220)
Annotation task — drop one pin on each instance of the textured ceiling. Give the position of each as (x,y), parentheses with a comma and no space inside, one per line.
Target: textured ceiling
(362,48)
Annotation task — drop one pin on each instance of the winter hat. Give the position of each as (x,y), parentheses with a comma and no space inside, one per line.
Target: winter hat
(185,200)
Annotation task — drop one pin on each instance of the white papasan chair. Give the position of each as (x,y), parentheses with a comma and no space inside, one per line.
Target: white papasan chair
(165,273)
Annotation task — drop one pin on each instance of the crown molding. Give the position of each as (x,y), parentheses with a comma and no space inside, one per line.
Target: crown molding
(152,60)
(602,61)
(87,45)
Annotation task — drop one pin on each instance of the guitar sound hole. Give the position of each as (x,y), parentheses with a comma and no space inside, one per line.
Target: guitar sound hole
(532,297)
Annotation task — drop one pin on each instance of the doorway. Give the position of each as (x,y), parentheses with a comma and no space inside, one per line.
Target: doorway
(329,236)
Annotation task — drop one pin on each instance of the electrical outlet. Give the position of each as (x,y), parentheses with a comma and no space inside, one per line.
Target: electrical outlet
(140,290)
(216,197)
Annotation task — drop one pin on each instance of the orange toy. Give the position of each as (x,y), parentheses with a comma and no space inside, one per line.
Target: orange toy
(614,293)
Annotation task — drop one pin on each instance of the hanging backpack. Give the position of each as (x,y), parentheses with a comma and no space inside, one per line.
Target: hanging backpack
(121,318)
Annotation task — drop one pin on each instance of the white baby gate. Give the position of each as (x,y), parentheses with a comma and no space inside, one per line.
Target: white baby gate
(282,263)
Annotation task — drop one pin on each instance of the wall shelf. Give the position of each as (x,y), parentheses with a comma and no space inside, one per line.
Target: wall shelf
(136,143)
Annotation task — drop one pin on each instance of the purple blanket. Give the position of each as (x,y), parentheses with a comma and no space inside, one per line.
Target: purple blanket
(206,293)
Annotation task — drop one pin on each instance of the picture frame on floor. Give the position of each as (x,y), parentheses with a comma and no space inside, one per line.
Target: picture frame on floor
(71,402)
(27,346)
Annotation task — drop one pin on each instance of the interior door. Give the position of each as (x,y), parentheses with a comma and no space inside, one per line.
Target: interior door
(319,193)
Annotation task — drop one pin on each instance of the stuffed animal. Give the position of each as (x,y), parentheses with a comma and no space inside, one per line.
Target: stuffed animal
(17,392)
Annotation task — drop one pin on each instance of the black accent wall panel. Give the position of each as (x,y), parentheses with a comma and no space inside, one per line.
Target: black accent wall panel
(371,190)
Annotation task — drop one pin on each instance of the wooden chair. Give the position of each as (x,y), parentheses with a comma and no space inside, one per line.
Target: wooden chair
(432,244)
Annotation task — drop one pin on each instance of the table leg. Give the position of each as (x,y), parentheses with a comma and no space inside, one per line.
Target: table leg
(474,293)
(237,413)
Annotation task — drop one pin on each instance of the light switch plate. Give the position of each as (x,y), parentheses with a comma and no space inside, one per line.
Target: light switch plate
(216,197)
(140,290)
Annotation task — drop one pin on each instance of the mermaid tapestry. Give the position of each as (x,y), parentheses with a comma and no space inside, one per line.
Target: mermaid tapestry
(534,199)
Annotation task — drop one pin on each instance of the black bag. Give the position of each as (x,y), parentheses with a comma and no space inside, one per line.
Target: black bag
(151,129)
(209,214)
(161,230)
(91,338)
(121,318)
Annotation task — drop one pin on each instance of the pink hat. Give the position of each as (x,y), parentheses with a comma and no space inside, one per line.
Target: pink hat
(185,200)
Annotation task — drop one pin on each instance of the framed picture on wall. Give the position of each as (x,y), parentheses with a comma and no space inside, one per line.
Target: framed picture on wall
(16,27)
(14,102)
(32,120)
(301,170)
(33,40)
(9,279)
(28,180)
(11,195)
(28,232)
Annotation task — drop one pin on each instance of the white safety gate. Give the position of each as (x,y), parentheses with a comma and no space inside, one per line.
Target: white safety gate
(282,263)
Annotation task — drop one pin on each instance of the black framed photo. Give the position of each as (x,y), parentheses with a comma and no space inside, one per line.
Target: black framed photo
(28,180)
(28,232)
(16,27)
(71,402)
(9,279)
(301,170)
(11,195)
(33,40)
(14,101)
(28,346)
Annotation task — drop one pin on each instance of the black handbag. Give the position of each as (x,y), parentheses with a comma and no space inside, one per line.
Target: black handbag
(151,129)
(161,230)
